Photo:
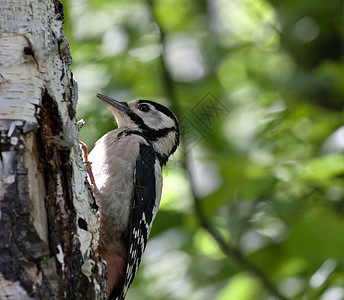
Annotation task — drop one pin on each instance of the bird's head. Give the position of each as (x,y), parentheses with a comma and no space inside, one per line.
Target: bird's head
(154,121)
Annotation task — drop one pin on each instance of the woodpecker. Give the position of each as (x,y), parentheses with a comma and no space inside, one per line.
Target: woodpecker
(126,166)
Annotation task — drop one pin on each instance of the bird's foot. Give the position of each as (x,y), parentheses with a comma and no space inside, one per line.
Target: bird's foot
(87,163)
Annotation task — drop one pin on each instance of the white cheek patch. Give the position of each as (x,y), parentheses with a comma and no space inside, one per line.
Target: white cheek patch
(167,121)
(154,118)
(157,120)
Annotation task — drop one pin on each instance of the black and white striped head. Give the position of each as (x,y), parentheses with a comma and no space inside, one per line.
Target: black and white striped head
(155,122)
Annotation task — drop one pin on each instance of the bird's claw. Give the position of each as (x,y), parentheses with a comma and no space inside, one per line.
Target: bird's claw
(87,163)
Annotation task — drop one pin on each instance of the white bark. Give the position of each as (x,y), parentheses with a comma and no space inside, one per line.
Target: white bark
(42,178)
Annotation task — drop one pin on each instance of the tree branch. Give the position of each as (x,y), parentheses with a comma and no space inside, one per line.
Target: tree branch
(233,253)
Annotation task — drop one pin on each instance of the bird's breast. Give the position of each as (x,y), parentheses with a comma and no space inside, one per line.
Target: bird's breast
(113,163)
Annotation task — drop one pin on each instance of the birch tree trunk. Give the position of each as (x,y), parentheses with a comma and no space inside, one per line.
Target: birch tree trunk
(48,221)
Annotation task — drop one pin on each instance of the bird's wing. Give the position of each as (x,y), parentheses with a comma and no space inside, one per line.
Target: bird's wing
(145,202)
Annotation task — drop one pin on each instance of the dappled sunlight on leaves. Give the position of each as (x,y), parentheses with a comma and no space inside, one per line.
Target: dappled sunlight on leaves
(259,88)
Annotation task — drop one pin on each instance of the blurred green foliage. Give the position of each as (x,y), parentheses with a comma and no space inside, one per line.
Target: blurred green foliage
(259,85)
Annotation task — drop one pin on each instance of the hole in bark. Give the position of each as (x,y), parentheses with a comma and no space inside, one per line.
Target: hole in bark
(82,224)
(28,51)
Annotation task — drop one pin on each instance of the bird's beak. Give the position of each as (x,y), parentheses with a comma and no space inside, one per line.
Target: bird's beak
(114,104)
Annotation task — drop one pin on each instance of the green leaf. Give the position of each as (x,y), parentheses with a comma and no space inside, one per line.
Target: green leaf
(240,287)
(324,167)
(317,237)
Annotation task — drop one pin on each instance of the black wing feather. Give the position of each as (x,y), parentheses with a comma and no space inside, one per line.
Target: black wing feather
(141,215)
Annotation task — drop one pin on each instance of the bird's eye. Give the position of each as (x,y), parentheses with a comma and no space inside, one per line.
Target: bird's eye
(144,107)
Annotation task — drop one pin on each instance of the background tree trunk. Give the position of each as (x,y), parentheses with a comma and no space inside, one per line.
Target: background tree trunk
(48,221)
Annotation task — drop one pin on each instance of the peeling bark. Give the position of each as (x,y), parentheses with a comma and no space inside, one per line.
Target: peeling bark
(48,217)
